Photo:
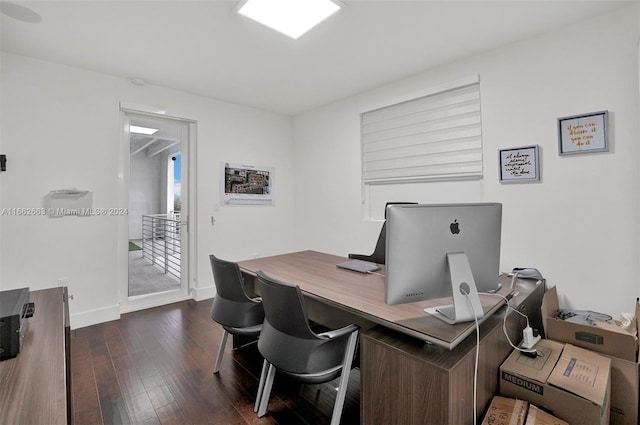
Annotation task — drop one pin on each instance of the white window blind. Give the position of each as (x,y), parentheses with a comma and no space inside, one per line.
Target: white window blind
(438,136)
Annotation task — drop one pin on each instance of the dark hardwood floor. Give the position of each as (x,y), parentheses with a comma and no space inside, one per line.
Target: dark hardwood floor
(155,367)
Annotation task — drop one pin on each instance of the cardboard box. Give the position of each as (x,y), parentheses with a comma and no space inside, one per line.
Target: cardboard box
(506,411)
(625,394)
(602,337)
(620,346)
(570,382)
(537,416)
(511,411)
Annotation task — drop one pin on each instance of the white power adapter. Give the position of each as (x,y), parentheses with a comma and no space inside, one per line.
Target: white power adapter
(528,340)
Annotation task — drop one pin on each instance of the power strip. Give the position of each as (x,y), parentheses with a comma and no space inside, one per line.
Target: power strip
(528,340)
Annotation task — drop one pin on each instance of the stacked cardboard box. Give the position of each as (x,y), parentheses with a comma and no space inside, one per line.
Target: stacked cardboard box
(510,411)
(506,411)
(537,416)
(621,346)
(570,382)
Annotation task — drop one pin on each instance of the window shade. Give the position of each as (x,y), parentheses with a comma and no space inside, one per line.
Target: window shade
(438,136)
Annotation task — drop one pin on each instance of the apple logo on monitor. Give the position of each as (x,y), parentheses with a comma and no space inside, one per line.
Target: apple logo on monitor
(454,227)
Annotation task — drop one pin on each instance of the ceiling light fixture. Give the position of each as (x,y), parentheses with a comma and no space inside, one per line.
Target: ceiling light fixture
(290,17)
(142,130)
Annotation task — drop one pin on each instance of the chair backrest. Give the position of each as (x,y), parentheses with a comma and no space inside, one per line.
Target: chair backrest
(286,340)
(284,307)
(231,306)
(396,203)
(379,253)
(228,279)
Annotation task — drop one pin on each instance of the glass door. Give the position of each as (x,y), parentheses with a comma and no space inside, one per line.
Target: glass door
(158,216)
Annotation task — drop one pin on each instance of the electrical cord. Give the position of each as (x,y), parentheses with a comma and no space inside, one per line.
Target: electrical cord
(513,280)
(477,355)
(475,367)
(587,316)
(504,324)
(504,330)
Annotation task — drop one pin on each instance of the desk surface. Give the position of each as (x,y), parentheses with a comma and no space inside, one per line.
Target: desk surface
(32,385)
(363,294)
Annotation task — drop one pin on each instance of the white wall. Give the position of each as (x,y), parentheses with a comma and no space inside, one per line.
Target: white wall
(145,189)
(61,128)
(579,226)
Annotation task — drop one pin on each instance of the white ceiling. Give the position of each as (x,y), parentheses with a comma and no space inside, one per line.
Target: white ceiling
(204,47)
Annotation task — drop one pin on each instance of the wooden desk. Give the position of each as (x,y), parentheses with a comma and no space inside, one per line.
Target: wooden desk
(362,295)
(35,385)
(404,380)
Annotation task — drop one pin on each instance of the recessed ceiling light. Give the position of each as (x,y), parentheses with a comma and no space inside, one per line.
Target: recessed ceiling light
(142,130)
(290,17)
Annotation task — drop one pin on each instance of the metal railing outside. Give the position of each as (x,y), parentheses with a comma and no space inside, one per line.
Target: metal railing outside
(161,241)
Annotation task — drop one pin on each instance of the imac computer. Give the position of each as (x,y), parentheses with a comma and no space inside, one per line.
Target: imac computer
(438,251)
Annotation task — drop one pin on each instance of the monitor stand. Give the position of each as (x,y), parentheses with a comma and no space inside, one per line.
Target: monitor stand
(466,302)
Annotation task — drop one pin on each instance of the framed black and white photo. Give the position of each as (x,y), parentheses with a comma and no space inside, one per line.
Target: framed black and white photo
(519,165)
(584,133)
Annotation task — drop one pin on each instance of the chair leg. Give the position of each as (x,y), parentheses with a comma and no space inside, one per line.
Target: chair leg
(223,343)
(318,389)
(266,391)
(263,376)
(344,378)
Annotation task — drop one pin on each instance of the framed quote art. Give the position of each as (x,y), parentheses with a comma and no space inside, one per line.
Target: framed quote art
(519,165)
(584,133)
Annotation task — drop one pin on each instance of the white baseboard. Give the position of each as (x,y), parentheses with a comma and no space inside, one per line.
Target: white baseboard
(149,301)
(93,317)
(107,314)
(205,293)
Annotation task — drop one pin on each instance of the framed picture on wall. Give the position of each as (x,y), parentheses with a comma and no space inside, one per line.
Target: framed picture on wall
(584,133)
(519,165)
(246,185)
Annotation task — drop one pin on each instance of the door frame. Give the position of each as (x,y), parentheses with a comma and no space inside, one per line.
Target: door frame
(188,273)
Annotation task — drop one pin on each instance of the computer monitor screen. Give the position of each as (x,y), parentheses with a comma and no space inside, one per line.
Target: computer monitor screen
(427,245)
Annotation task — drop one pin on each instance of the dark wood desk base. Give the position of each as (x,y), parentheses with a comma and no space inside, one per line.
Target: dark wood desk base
(404,381)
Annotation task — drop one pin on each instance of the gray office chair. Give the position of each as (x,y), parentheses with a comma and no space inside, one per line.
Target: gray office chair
(379,253)
(232,308)
(289,346)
